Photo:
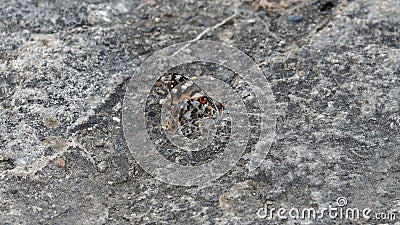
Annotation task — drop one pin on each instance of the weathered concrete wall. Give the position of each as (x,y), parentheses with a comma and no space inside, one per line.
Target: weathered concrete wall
(333,67)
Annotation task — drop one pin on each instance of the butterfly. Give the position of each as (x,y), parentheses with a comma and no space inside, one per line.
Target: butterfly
(188,107)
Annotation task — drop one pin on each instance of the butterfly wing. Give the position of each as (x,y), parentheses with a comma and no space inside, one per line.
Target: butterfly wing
(188,106)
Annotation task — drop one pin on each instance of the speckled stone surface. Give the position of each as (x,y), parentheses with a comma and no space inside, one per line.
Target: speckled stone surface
(65,65)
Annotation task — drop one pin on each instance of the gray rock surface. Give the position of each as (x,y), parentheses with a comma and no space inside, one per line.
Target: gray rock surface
(64,67)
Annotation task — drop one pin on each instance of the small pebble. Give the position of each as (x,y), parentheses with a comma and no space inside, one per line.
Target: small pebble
(60,162)
(148,29)
(99,144)
(261,14)
(102,166)
(294,18)
(228,12)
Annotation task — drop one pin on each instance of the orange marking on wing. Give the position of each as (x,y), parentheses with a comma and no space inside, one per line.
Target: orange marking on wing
(203,100)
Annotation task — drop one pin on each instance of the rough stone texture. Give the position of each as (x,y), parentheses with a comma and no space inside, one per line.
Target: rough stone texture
(64,66)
